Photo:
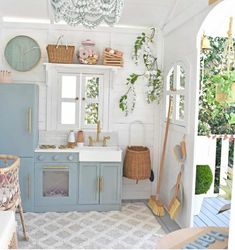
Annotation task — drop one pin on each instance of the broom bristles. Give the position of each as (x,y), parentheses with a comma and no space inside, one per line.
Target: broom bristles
(174,208)
(156,206)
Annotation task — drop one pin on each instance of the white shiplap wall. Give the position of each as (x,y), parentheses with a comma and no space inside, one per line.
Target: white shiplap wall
(120,38)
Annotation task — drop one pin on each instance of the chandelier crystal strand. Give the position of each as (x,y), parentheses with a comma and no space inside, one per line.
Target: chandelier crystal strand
(89,13)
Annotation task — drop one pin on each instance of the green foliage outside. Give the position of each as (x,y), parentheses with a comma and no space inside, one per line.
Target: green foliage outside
(227,188)
(92,93)
(204,179)
(214,117)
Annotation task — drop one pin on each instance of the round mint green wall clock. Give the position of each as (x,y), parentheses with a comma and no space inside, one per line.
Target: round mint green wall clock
(22,53)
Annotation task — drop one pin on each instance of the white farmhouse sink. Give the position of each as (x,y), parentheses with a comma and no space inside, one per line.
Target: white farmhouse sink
(101,154)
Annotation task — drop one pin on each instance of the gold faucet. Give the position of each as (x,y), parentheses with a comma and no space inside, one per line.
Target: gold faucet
(98,130)
(105,140)
(91,142)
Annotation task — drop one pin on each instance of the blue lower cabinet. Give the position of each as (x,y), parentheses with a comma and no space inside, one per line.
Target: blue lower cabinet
(26,175)
(55,185)
(88,183)
(100,183)
(110,186)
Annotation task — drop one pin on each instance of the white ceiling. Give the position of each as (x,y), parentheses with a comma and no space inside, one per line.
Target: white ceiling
(135,12)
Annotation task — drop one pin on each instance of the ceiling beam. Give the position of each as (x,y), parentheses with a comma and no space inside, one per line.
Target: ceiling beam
(211,1)
(170,14)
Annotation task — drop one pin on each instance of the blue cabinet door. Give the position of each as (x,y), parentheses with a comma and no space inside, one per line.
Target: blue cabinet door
(19,119)
(88,183)
(55,184)
(27,183)
(110,190)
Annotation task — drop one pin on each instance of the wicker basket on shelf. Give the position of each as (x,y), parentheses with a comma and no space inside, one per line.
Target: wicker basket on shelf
(60,53)
(137,162)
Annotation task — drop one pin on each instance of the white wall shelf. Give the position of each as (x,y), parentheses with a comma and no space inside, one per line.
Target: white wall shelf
(83,66)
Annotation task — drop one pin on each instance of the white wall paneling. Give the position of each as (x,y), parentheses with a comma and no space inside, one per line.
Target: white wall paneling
(119,38)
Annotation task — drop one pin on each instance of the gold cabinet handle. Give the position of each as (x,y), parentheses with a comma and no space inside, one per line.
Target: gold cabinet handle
(29,187)
(101,184)
(29,120)
(98,184)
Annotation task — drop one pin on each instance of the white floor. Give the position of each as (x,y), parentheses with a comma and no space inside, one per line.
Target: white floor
(132,227)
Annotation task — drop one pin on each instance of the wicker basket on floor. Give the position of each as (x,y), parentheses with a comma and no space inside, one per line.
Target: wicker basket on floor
(10,187)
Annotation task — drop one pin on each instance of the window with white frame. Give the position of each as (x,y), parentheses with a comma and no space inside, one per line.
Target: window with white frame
(77,97)
(80,100)
(176,90)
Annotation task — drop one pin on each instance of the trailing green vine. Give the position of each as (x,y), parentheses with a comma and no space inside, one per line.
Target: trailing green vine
(153,75)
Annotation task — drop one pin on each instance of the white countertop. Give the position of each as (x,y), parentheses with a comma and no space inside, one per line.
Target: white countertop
(91,154)
(77,149)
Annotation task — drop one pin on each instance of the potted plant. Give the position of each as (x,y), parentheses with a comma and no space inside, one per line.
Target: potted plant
(225,87)
(204,180)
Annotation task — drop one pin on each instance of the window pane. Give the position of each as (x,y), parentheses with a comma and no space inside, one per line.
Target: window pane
(170,80)
(91,113)
(68,87)
(92,87)
(182,78)
(180,107)
(68,113)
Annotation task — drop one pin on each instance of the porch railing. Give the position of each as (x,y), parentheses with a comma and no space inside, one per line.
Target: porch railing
(218,151)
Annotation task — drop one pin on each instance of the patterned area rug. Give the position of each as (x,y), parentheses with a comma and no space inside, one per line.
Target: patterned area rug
(132,227)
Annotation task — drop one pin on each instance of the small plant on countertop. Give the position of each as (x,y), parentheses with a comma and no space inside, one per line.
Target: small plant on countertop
(152,74)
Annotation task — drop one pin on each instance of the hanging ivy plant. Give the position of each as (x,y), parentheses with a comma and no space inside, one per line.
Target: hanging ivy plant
(153,76)
(224,82)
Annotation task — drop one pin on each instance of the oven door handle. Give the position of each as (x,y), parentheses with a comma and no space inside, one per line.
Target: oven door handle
(55,167)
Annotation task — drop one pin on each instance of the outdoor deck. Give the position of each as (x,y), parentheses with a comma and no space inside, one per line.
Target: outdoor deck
(209,213)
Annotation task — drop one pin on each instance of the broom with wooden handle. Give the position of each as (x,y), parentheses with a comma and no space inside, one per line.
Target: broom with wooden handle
(154,202)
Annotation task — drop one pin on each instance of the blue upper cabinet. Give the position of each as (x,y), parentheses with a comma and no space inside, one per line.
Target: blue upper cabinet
(19,119)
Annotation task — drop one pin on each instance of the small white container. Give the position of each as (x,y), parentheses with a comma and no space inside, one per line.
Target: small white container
(71,137)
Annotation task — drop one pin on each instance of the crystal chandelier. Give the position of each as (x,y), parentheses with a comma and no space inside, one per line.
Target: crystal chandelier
(89,13)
